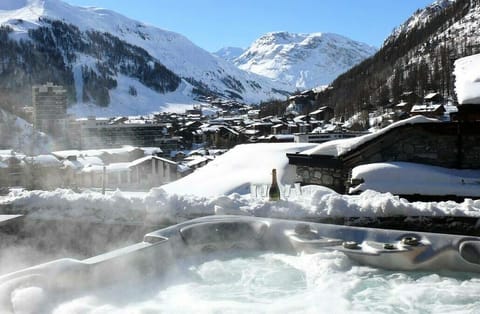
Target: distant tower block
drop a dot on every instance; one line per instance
(50, 108)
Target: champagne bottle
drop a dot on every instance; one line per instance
(274, 192)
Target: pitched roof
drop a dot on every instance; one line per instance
(337, 148)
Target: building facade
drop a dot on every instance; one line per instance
(50, 109)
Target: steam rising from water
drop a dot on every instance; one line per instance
(326, 282)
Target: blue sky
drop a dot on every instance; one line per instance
(213, 24)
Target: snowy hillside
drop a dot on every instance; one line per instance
(200, 72)
(303, 60)
(229, 53)
(420, 18)
(417, 57)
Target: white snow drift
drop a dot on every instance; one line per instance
(467, 80)
(410, 178)
(221, 187)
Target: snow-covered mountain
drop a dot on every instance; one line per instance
(303, 60)
(122, 64)
(420, 18)
(229, 53)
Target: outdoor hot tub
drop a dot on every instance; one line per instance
(238, 263)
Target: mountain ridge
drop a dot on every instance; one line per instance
(200, 72)
(419, 18)
(303, 60)
(417, 60)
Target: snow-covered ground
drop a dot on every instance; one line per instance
(146, 100)
(223, 187)
(237, 169)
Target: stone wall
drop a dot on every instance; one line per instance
(411, 145)
(471, 152)
(329, 177)
(437, 144)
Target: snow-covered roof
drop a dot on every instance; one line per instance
(431, 95)
(116, 151)
(317, 111)
(299, 119)
(237, 168)
(409, 178)
(73, 164)
(211, 128)
(339, 147)
(92, 168)
(200, 151)
(280, 136)
(262, 123)
(151, 150)
(118, 167)
(99, 152)
(90, 160)
(16, 156)
(192, 162)
(251, 132)
(176, 153)
(467, 79)
(143, 159)
(234, 132)
(66, 153)
(216, 152)
(6, 152)
(425, 108)
(328, 128)
(275, 120)
(111, 168)
(181, 168)
(44, 161)
(450, 108)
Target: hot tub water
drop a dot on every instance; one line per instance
(325, 282)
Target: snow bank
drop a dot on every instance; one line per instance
(223, 187)
(467, 82)
(339, 147)
(159, 207)
(235, 170)
(410, 178)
